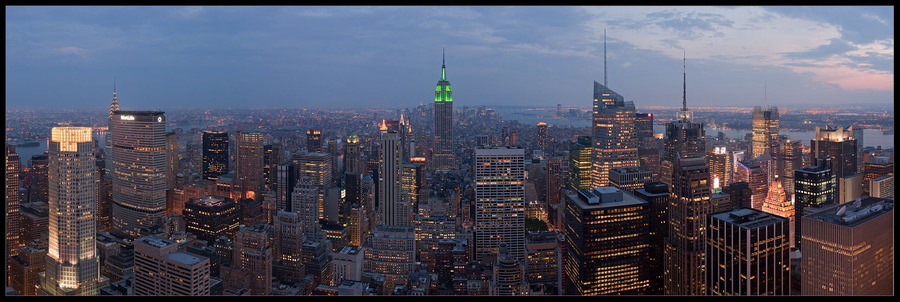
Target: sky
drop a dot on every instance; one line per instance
(164, 57)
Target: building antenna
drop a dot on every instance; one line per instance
(766, 94)
(684, 88)
(604, 58)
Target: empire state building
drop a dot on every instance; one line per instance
(443, 123)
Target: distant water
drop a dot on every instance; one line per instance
(25, 153)
(871, 137)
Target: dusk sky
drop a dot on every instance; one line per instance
(390, 56)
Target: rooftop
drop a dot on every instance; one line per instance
(854, 213)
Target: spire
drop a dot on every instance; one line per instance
(115, 102)
(443, 64)
(766, 94)
(684, 83)
(604, 58)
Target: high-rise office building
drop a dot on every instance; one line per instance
(777, 203)
(683, 138)
(882, 186)
(555, 179)
(765, 130)
(347, 264)
(160, 269)
(614, 137)
(878, 167)
(248, 160)
(443, 156)
(840, 144)
(273, 155)
(391, 250)
(747, 254)
(171, 159)
(756, 175)
(791, 159)
(545, 261)
(499, 201)
(211, 217)
(657, 195)
(13, 168)
(253, 254)
(685, 254)
(72, 265)
(719, 175)
(814, 189)
(305, 203)
(25, 267)
(215, 154)
(39, 187)
(316, 166)
(607, 235)
(288, 248)
(314, 140)
(352, 157)
(629, 179)
(849, 249)
(580, 164)
(286, 179)
(849, 187)
(543, 137)
(390, 180)
(508, 277)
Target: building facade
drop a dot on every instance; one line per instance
(499, 201)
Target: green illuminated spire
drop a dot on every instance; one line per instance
(443, 64)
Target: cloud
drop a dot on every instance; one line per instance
(875, 18)
(746, 36)
(73, 50)
(188, 12)
(883, 48)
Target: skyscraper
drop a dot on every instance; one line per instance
(682, 138)
(352, 157)
(314, 140)
(508, 278)
(543, 137)
(814, 189)
(778, 204)
(849, 249)
(614, 136)
(765, 130)
(685, 254)
(499, 201)
(273, 155)
(288, 248)
(747, 254)
(39, 187)
(248, 161)
(13, 168)
(211, 217)
(882, 186)
(138, 168)
(839, 144)
(580, 164)
(391, 250)
(315, 166)
(215, 154)
(443, 157)
(876, 168)
(160, 269)
(390, 180)
(72, 265)
(791, 160)
(171, 159)
(607, 242)
(657, 195)
(253, 254)
(718, 163)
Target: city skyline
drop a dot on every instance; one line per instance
(306, 57)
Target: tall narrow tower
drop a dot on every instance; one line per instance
(614, 135)
(443, 122)
(72, 265)
(138, 169)
(682, 137)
